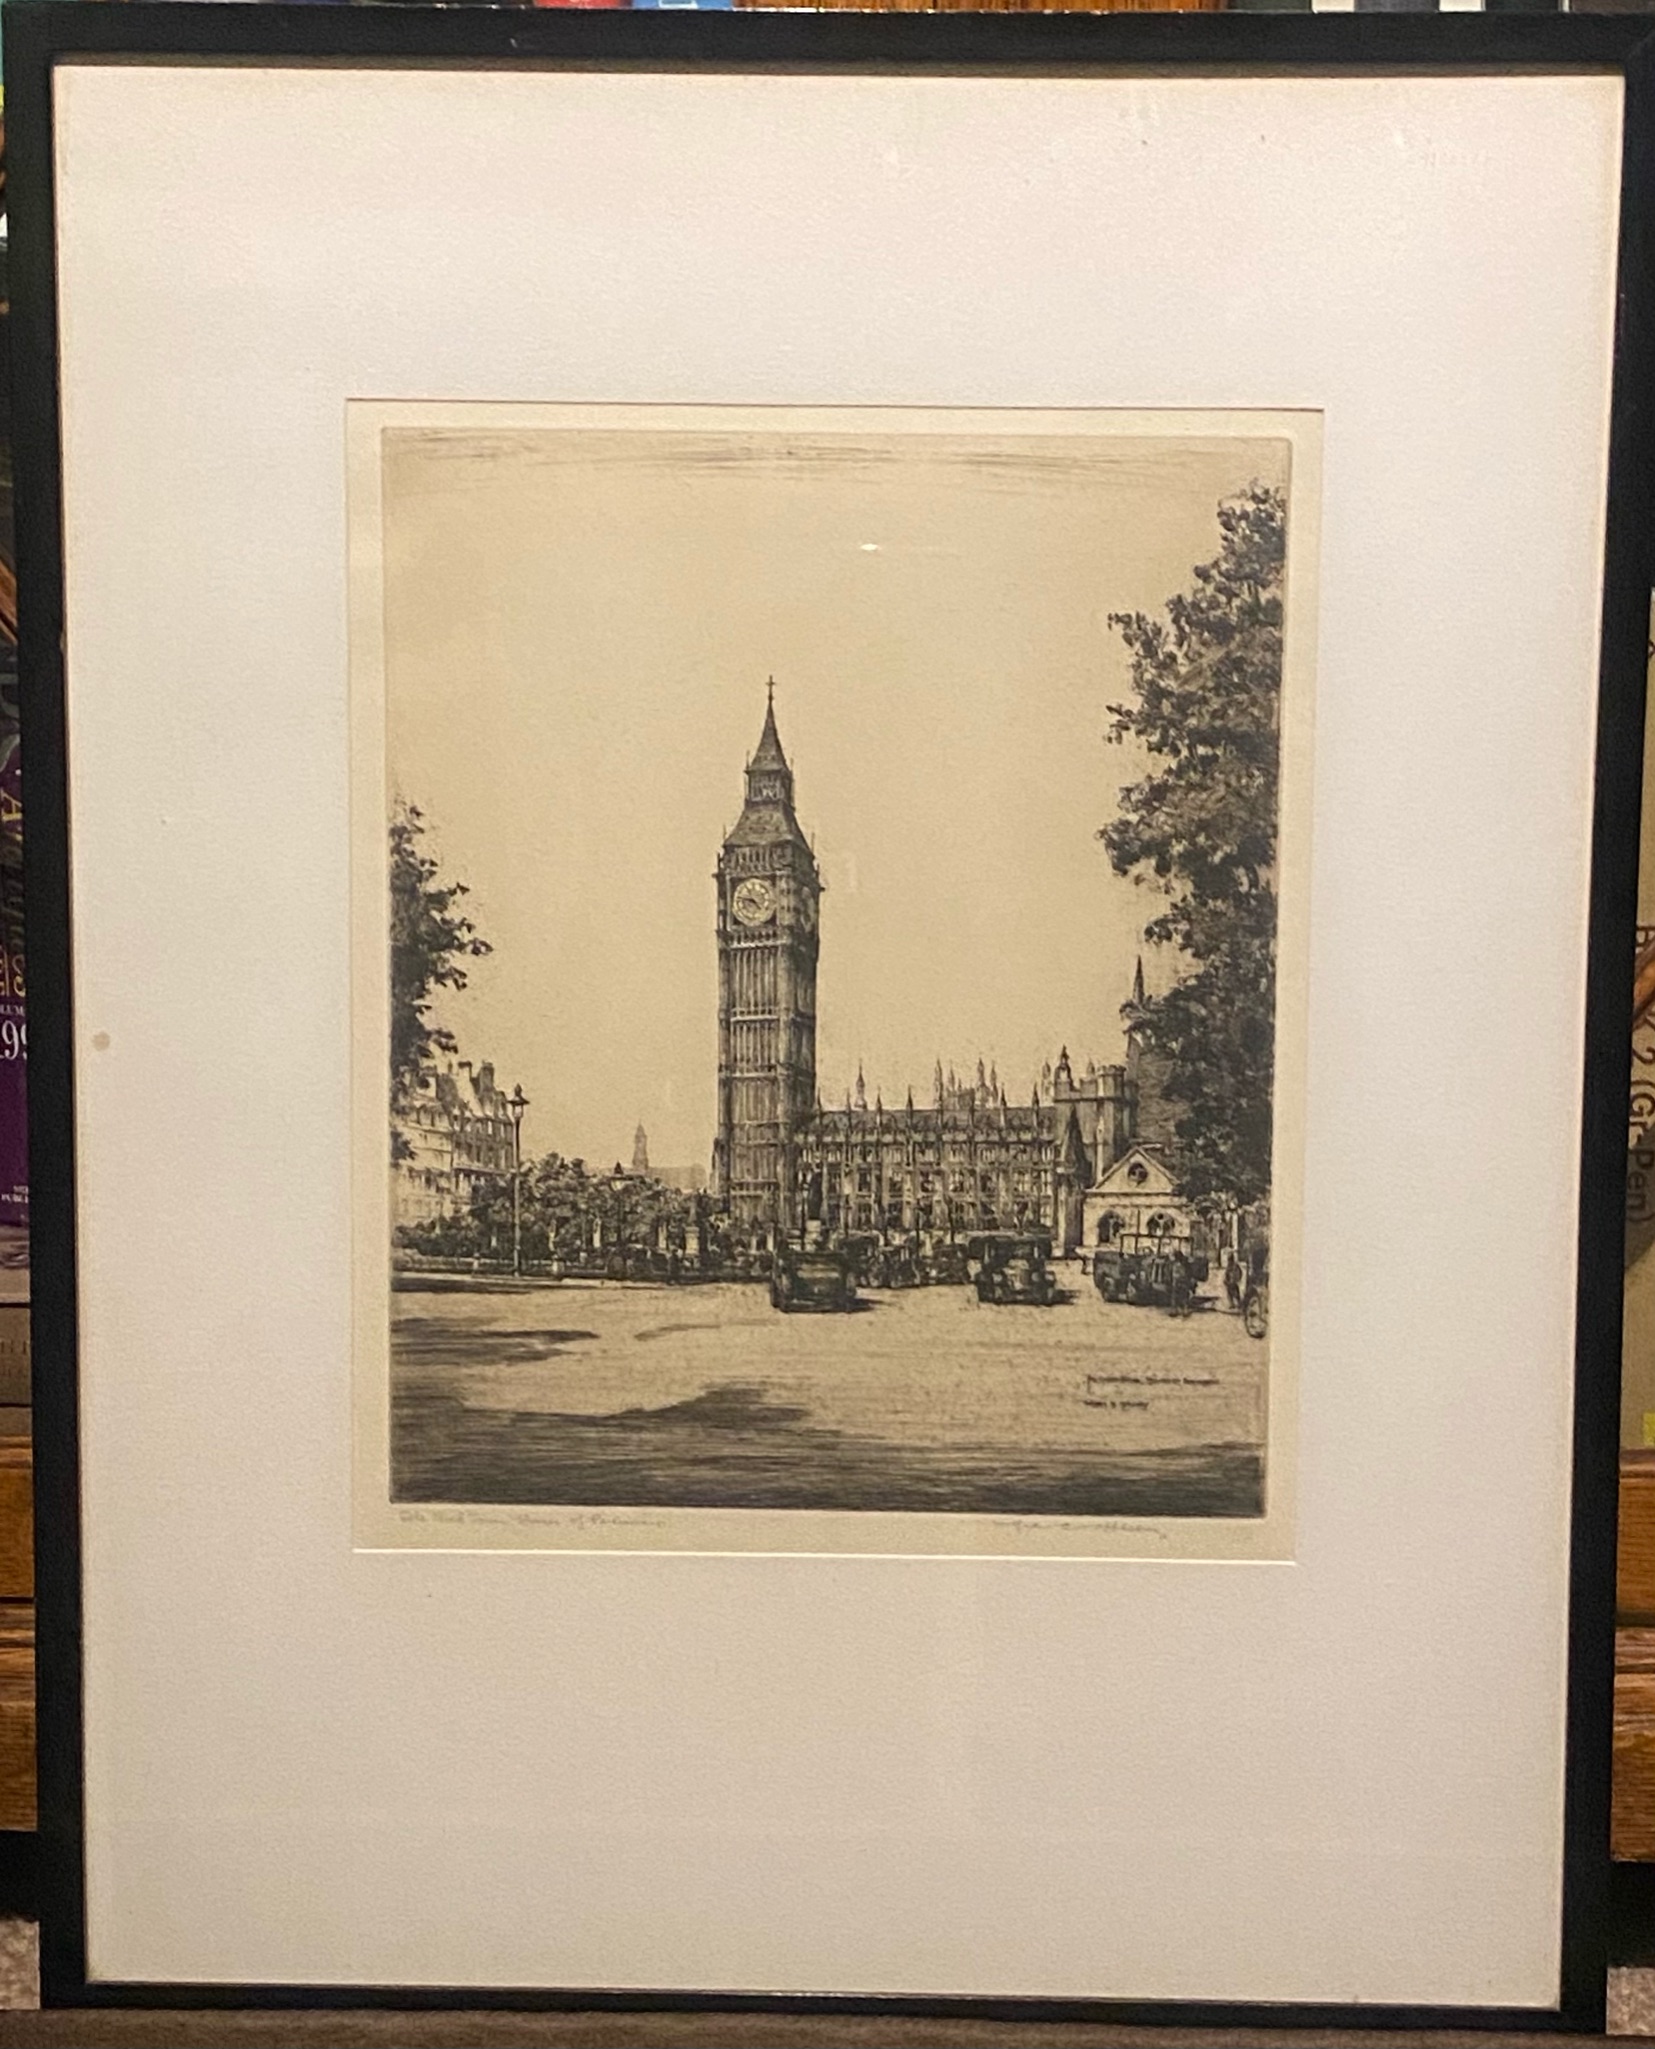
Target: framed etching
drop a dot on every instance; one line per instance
(831, 898)
(869, 1405)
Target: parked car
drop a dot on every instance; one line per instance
(817, 1278)
(984, 1247)
(861, 1251)
(945, 1265)
(894, 1266)
(1014, 1268)
(1126, 1273)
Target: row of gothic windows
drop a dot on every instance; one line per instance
(896, 1187)
(955, 1156)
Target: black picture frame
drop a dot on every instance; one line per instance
(42, 33)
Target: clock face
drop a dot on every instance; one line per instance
(754, 901)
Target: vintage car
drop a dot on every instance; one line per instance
(1013, 1267)
(894, 1266)
(982, 1248)
(1123, 1273)
(945, 1265)
(861, 1251)
(811, 1278)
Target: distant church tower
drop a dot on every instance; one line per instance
(1154, 1113)
(768, 896)
(640, 1151)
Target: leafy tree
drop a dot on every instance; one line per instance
(563, 1209)
(430, 939)
(1201, 826)
(560, 1194)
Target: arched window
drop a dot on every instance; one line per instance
(1160, 1225)
(1109, 1227)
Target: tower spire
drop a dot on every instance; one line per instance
(768, 753)
(769, 775)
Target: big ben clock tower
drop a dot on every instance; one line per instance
(768, 897)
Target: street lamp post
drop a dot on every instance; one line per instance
(517, 1103)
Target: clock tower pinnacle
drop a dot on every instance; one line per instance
(769, 892)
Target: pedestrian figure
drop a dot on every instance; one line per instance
(1232, 1281)
(1178, 1287)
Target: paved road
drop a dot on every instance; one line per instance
(924, 1398)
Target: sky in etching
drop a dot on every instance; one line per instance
(579, 625)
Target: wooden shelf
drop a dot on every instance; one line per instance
(1632, 1814)
(17, 1725)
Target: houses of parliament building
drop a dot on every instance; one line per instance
(969, 1160)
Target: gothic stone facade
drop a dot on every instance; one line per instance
(457, 1131)
(1138, 1206)
(971, 1160)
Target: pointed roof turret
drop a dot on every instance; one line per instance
(1135, 1011)
(767, 813)
(861, 1088)
(768, 753)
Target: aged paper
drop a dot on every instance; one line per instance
(830, 909)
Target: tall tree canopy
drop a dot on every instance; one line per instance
(430, 939)
(1201, 826)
